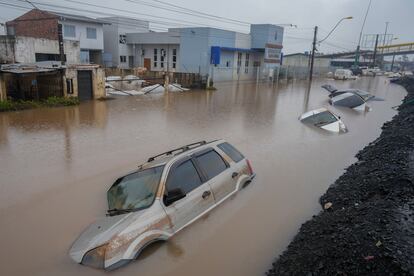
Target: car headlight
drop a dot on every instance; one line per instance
(95, 257)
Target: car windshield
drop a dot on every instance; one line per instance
(135, 191)
(350, 100)
(320, 119)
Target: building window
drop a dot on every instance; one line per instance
(69, 30)
(122, 39)
(69, 86)
(155, 57)
(91, 33)
(174, 58)
(246, 64)
(227, 63)
(239, 61)
(39, 57)
(85, 56)
(162, 58)
(123, 59)
(10, 30)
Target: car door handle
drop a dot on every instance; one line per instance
(206, 194)
(234, 175)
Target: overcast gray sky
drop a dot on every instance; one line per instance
(303, 13)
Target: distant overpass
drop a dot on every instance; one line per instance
(396, 49)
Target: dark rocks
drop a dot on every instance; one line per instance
(368, 228)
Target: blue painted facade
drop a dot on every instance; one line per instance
(223, 54)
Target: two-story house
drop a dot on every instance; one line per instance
(36, 37)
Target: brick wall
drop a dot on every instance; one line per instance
(36, 23)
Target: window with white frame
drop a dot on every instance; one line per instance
(123, 59)
(174, 58)
(91, 33)
(155, 57)
(246, 63)
(162, 58)
(69, 31)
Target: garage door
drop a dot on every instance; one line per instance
(85, 85)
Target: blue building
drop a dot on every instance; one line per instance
(224, 55)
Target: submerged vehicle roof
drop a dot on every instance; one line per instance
(348, 99)
(313, 112)
(165, 157)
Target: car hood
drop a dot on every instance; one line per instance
(99, 233)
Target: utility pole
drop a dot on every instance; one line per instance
(356, 63)
(61, 46)
(374, 57)
(167, 76)
(313, 53)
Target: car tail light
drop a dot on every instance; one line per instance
(249, 166)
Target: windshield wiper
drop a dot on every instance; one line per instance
(115, 211)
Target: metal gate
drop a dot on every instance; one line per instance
(85, 91)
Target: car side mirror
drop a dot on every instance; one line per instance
(173, 196)
(339, 117)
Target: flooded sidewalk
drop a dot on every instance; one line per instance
(57, 164)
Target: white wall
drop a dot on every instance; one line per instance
(243, 41)
(149, 53)
(86, 43)
(121, 26)
(27, 47)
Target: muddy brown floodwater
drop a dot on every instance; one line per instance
(57, 164)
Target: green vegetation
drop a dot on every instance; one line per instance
(11, 105)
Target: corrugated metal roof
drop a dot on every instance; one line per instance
(26, 69)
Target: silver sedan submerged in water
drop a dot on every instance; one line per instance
(166, 194)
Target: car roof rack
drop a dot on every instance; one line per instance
(180, 150)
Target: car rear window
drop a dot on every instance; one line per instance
(231, 151)
(211, 163)
(321, 119)
(184, 177)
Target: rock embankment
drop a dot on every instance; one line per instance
(367, 223)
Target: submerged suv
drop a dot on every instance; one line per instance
(166, 194)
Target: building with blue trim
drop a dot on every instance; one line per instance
(221, 54)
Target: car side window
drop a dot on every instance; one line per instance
(184, 177)
(211, 163)
(231, 151)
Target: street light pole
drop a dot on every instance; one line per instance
(315, 42)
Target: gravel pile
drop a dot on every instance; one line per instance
(367, 223)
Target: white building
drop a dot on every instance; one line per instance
(82, 36)
(221, 54)
(117, 52)
(89, 33)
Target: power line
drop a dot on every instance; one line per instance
(132, 25)
(27, 1)
(106, 14)
(215, 16)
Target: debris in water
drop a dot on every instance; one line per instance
(327, 205)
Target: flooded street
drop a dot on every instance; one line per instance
(57, 164)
